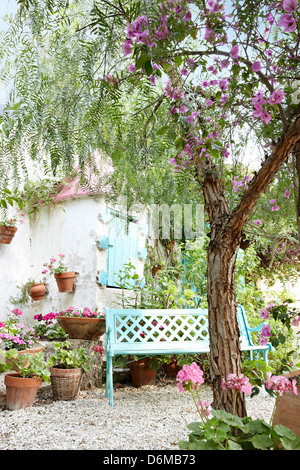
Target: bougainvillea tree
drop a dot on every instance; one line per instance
(226, 71)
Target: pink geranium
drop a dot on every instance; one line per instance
(280, 384)
(190, 377)
(237, 382)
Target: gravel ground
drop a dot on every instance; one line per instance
(148, 418)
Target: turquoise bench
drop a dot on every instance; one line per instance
(159, 332)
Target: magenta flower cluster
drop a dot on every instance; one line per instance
(281, 384)
(190, 377)
(238, 383)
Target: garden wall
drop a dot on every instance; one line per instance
(72, 227)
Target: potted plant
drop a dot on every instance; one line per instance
(8, 227)
(66, 367)
(82, 324)
(14, 335)
(22, 386)
(47, 328)
(65, 279)
(143, 371)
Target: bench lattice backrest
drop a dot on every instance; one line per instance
(142, 326)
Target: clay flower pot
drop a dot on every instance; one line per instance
(141, 374)
(20, 391)
(34, 350)
(82, 328)
(37, 291)
(287, 410)
(65, 281)
(172, 368)
(65, 383)
(7, 233)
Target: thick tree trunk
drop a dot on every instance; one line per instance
(225, 356)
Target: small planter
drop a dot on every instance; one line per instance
(172, 368)
(287, 410)
(82, 328)
(65, 383)
(33, 351)
(20, 391)
(141, 374)
(37, 291)
(7, 233)
(66, 281)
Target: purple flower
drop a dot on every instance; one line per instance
(131, 68)
(152, 79)
(223, 84)
(265, 116)
(288, 22)
(290, 5)
(287, 193)
(275, 208)
(184, 72)
(256, 67)
(258, 222)
(234, 53)
(276, 97)
(127, 47)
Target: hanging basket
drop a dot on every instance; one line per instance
(66, 281)
(7, 233)
(65, 383)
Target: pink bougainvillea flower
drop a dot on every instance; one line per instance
(258, 111)
(256, 67)
(264, 313)
(290, 5)
(127, 47)
(258, 222)
(258, 99)
(272, 201)
(184, 72)
(276, 97)
(152, 79)
(287, 193)
(288, 22)
(192, 116)
(265, 116)
(223, 84)
(183, 109)
(131, 68)
(275, 208)
(234, 53)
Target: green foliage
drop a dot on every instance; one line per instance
(227, 432)
(68, 358)
(28, 365)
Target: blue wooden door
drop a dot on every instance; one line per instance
(122, 246)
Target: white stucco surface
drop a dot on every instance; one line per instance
(71, 227)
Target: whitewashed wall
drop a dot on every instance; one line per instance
(71, 227)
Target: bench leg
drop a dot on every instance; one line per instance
(109, 381)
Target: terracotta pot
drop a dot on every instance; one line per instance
(7, 233)
(20, 392)
(65, 383)
(82, 328)
(38, 291)
(287, 410)
(172, 368)
(65, 281)
(141, 374)
(34, 350)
